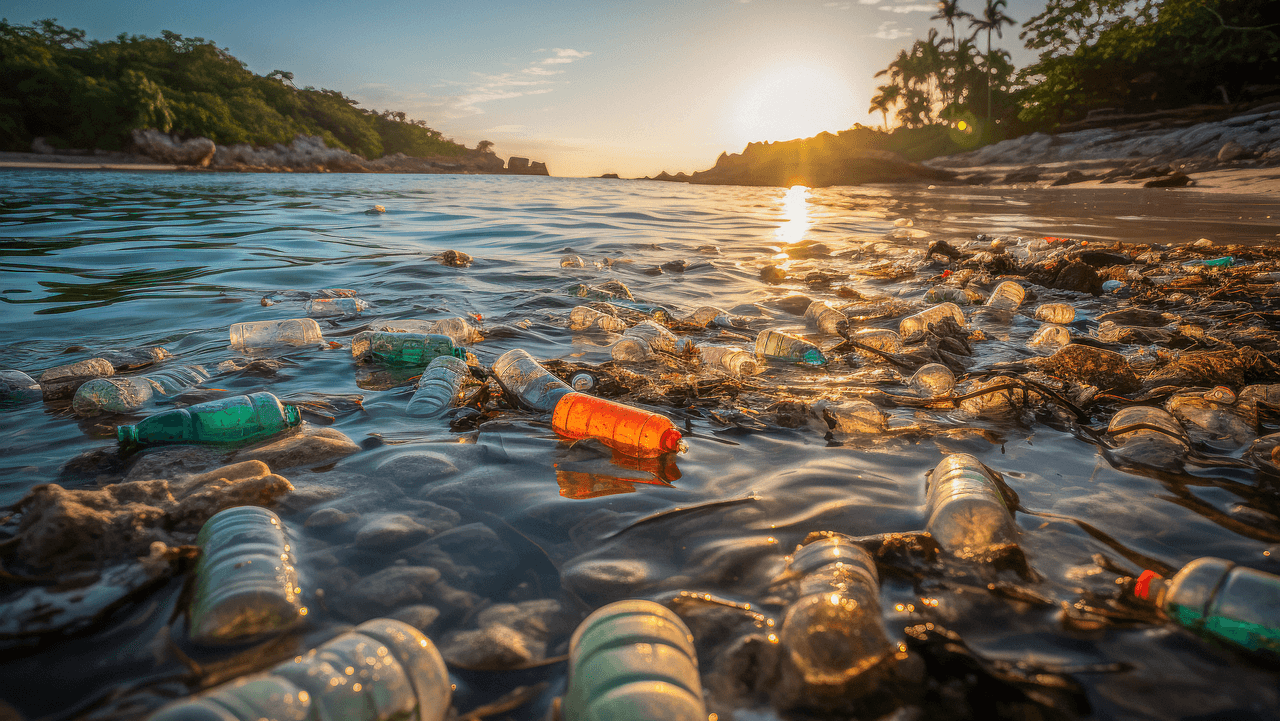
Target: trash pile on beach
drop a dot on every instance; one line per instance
(1183, 373)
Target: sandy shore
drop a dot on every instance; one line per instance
(97, 161)
(1241, 180)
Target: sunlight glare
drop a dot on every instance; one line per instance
(793, 101)
(795, 216)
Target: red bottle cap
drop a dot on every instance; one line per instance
(670, 440)
(1142, 588)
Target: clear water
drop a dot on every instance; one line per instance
(94, 261)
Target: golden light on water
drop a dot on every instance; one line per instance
(795, 216)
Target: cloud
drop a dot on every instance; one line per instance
(535, 70)
(868, 2)
(568, 53)
(909, 8)
(839, 6)
(891, 31)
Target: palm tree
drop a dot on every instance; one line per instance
(887, 98)
(949, 10)
(993, 18)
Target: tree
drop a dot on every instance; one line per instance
(885, 99)
(949, 10)
(993, 18)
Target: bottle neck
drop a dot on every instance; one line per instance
(127, 436)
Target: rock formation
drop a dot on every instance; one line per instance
(168, 149)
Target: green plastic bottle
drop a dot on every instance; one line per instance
(404, 349)
(227, 421)
(1221, 600)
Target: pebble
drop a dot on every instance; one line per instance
(312, 447)
(416, 468)
(390, 531)
(328, 518)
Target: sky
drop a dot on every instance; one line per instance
(589, 87)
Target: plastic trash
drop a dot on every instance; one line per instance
(629, 431)
(932, 380)
(246, 584)
(1111, 286)
(126, 395)
(643, 340)
(780, 346)
(583, 381)
(1223, 262)
(328, 307)
(708, 315)
(1007, 297)
(531, 385)
(1057, 313)
(967, 512)
(633, 660)
(882, 339)
(953, 294)
(63, 381)
(1141, 421)
(457, 328)
(825, 319)
(267, 333)
(1220, 600)
(403, 349)
(833, 635)
(383, 670)
(922, 320)
(438, 388)
(729, 359)
(585, 318)
(1050, 336)
(608, 291)
(227, 421)
(17, 388)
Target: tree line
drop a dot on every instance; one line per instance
(79, 93)
(1122, 55)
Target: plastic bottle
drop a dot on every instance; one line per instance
(932, 380)
(126, 395)
(833, 634)
(780, 346)
(457, 328)
(585, 318)
(1112, 286)
(953, 294)
(643, 340)
(882, 339)
(826, 319)
(922, 320)
(266, 333)
(1223, 262)
(17, 387)
(227, 421)
(1007, 297)
(608, 291)
(1221, 600)
(583, 381)
(404, 349)
(326, 307)
(729, 359)
(967, 512)
(383, 670)
(710, 315)
(1050, 336)
(1136, 421)
(246, 584)
(1057, 313)
(633, 660)
(438, 387)
(528, 382)
(630, 431)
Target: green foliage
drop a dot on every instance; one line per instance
(91, 94)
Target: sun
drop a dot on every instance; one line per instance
(792, 101)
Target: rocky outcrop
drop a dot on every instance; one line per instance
(524, 166)
(166, 148)
(309, 153)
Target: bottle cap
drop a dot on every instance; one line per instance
(1142, 587)
(671, 441)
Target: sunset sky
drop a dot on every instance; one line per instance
(589, 87)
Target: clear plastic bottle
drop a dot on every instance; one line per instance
(267, 333)
(729, 359)
(403, 349)
(438, 388)
(967, 512)
(17, 388)
(633, 660)
(246, 583)
(457, 328)
(825, 319)
(780, 346)
(608, 291)
(932, 380)
(1050, 337)
(329, 307)
(586, 318)
(629, 431)
(126, 395)
(383, 670)
(1218, 599)
(528, 382)
(833, 635)
(1057, 313)
(1137, 421)
(882, 339)
(922, 320)
(643, 340)
(953, 294)
(227, 421)
(583, 381)
(1006, 297)
(708, 315)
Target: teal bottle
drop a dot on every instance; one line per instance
(779, 346)
(224, 422)
(404, 349)
(633, 660)
(1218, 599)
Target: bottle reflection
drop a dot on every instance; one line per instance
(583, 484)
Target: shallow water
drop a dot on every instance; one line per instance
(95, 261)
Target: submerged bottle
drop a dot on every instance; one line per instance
(585, 318)
(953, 294)
(17, 387)
(457, 328)
(383, 670)
(246, 584)
(438, 388)
(1007, 297)
(1221, 600)
(266, 333)
(729, 359)
(125, 395)
(710, 315)
(932, 380)
(833, 634)
(780, 346)
(531, 385)
(643, 340)
(633, 660)
(825, 319)
(1050, 337)
(327, 307)
(1057, 313)
(922, 320)
(608, 291)
(404, 349)
(630, 431)
(967, 513)
(882, 339)
(227, 421)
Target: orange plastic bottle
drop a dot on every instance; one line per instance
(628, 430)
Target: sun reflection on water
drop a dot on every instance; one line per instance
(795, 214)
